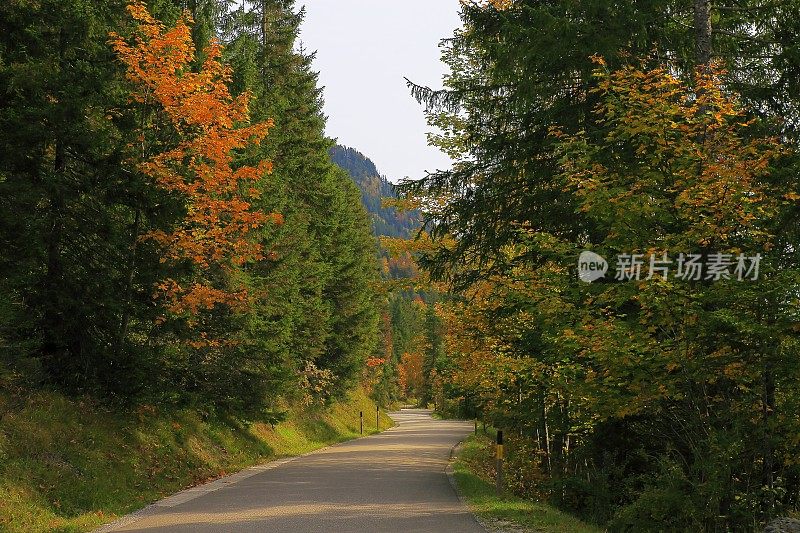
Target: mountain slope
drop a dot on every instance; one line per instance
(386, 221)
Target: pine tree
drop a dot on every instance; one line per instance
(67, 205)
(320, 278)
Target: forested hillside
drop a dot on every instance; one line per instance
(375, 188)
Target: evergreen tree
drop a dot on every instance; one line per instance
(517, 70)
(68, 208)
(324, 263)
(434, 351)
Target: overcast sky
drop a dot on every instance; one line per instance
(364, 49)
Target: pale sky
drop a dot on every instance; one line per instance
(364, 49)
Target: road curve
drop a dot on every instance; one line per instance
(392, 482)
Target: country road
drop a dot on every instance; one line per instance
(393, 482)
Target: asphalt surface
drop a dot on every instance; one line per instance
(394, 481)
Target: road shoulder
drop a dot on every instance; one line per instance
(506, 513)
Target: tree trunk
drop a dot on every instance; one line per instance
(546, 432)
(54, 273)
(52, 316)
(126, 302)
(702, 26)
(265, 29)
(767, 411)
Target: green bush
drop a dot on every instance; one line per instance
(657, 509)
(591, 501)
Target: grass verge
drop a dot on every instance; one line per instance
(506, 512)
(71, 466)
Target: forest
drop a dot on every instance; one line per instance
(660, 133)
(178, 231)
(174, 230)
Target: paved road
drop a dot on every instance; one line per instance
(393, 482)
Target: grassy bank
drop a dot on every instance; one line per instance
(70, 466)
(505, 512)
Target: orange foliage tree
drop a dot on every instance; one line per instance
(211, 126)
(410, 374)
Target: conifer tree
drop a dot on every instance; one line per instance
(67, 205)
(320, 277)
